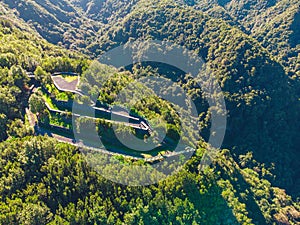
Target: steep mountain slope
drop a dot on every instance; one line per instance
(273, 23)
(280, 34)
(251, 51)
(259, 95)
(75, 23)
(7, 13)
(43, 181)
(57, 21)
(106, 11)
(253, 83)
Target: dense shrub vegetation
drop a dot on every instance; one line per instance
(44, 182)
(253, 82)
(251, 46)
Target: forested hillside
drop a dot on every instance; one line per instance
(56, 21)
(44, 182)
(250, 46)
(78, 23)
(22, 52)
(253, 82)
(273, 23)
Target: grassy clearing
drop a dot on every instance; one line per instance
(69, 78)
(62, 96)
(49, 101)
(54, 120)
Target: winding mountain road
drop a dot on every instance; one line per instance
(61, 138)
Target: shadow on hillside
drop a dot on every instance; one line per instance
(268, 126)
(211, 205)
(241, 186)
